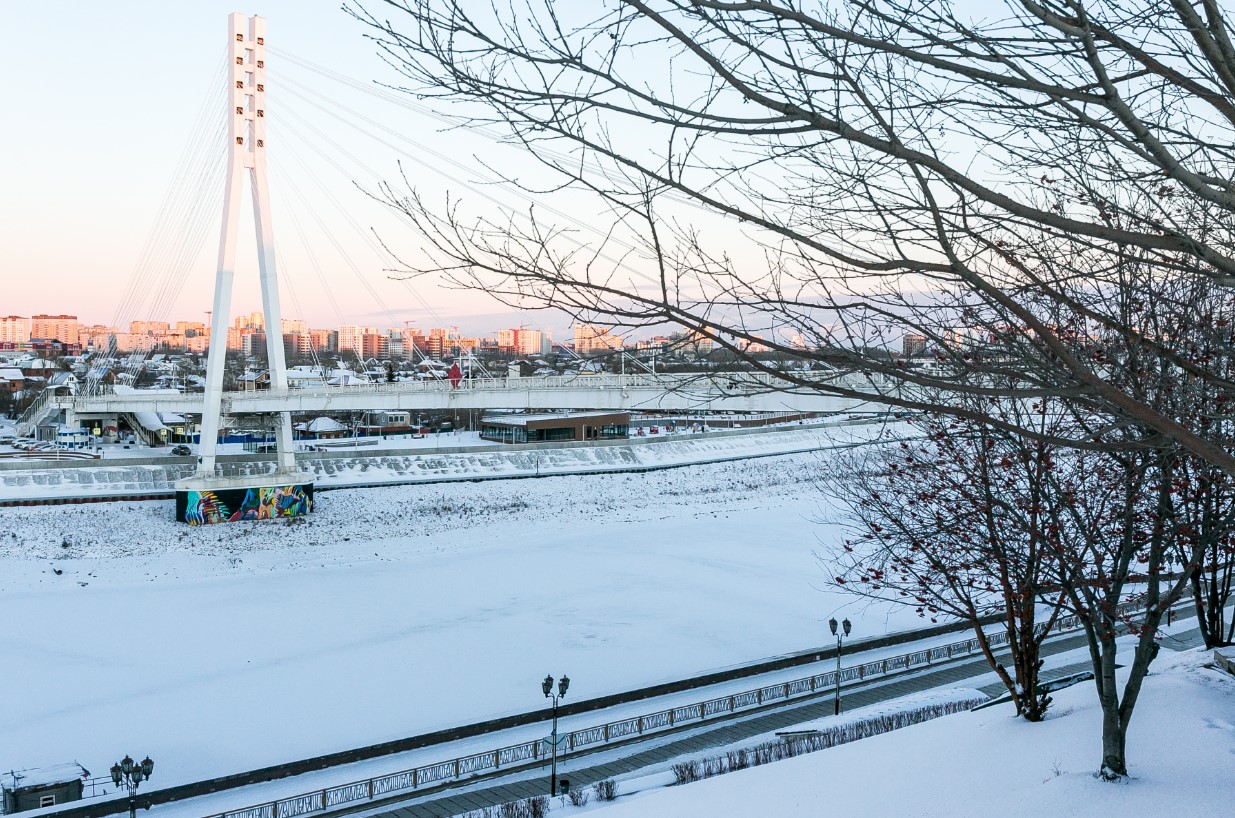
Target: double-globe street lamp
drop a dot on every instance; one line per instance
(547, 687)
(840, 637)
(131, 773)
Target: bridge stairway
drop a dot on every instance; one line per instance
(29, 420)
(143, 434)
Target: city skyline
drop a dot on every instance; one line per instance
(246, 333)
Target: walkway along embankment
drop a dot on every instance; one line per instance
(154, 478)
(453, 772)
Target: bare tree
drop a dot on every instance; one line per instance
(1204, 505)
(954, 524)
(896, 167)
(1112, 512)
(1006, 187)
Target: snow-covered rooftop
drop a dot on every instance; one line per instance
(521, 420)
(42, 776)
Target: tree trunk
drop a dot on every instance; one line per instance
(1114, 760)
(1114, 763)
(1202, 615)
(1032, 706)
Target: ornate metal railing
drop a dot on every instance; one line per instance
(531, 753)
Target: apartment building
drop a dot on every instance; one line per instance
(591, 338)
(63, 328)
(14, 330)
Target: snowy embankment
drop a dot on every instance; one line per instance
(379, 467)
(394, 611)
(984, 763)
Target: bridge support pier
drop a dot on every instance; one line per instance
(207, 497)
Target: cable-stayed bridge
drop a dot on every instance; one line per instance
(733, 392)
(258, 133)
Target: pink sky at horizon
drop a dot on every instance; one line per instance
(107, 108)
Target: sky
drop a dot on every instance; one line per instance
(102, 100)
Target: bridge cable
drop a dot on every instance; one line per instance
(167, 232)
(330, 159)
(377, 249)
(307, 94)
(340, 150)
(161, 224)
(400, 98)
(325, 230)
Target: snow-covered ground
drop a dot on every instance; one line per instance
(984, 763)
(396, 610)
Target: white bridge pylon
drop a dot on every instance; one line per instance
(246, 148)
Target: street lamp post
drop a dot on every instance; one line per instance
(547, 687)
(131, 773)
(837, 632)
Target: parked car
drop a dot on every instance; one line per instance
(181, 450)
(7, 440)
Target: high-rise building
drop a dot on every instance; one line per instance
(190, 329)
(374, 344)
(97, 336)
(324, 340)
(957, 337)
(149, 327)
(295, 326)
(351, 339)
(592, 338)
(913, 345)
(693, 344)
(63, 328)
(753, 345)
(437, 342)
(14, 329)
(297, 343)
(253, 343)
(394, 344)
(524, 341)
(530, 342)
(252, 321)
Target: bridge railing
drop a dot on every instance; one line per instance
(533, 753)
(729, 384)
(29, 419)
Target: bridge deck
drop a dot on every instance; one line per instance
(737, 392)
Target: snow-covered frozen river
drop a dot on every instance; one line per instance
(396, 610)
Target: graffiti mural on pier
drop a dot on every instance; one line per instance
(231, 505)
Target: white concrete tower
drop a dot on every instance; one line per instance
(246, 148)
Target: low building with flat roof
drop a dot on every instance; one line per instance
(42, 787)
(555, 427)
